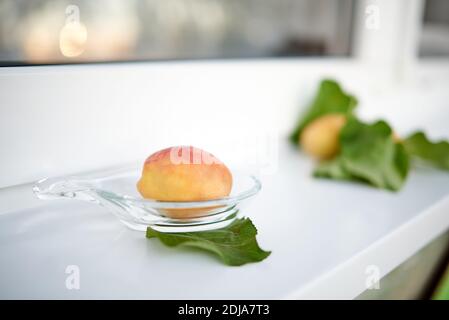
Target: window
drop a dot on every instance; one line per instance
(435, 29)
(49, 31)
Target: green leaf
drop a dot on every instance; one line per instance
(235, 244)
(330, 98)
(433, 153)
(442, 292)
(332, 169)
(369, 154)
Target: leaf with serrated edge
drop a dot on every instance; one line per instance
(433, 153)
(369, 154)
(235, 244)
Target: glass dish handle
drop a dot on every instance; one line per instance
(56, 188)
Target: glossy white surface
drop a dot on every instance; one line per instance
(315, 229)
(323, 234)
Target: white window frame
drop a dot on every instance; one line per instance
(393, 42)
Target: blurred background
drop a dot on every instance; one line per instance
(52, 31)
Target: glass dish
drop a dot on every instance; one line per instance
(116, 191)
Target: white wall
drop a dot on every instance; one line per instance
(68, 119)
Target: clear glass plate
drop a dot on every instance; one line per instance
(116, 190)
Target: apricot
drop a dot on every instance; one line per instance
(320, 138)
(184, 174)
